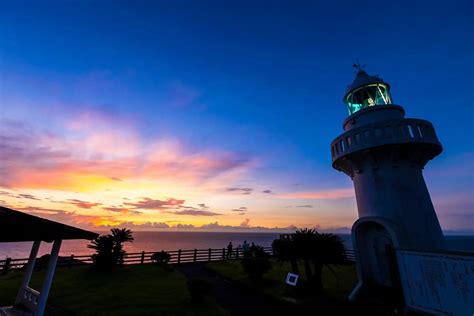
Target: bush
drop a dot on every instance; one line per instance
(161, 257)
(256, 267)
(257, 251)
(199, 288)
(42, 262)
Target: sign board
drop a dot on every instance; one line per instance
(438, 283)
(291, 279)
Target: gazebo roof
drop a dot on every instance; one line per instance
(18, 226)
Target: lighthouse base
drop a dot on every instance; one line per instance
(375, 240)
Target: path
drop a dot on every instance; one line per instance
(235, 299)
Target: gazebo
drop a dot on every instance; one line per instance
(16, 226)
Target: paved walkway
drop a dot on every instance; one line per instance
(234, 299)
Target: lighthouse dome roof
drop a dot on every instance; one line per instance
(363, 79)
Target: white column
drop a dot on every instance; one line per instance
(48, 278)
(29, 270)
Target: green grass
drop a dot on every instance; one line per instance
(338, 285)
(131, 290)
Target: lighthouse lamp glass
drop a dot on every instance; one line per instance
(369, 95)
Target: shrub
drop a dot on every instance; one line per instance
(256, 267)
(42, 262)
(161, 257)
(199, 288)
(257, 251)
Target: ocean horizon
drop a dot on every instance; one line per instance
(156, 241)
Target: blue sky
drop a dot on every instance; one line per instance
(259, 82)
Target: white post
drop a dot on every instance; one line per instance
(29, 270)
(48, 278)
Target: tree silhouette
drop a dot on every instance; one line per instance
(303, 240)
(314, 249)
(120, 236)
(326, 249)
(283, 250)
(109, 248)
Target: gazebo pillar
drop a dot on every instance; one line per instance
(48, 279)
(29, 271)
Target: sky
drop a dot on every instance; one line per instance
(218, 115)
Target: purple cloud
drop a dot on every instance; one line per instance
(150, 204)
(244, 191)
(194, 213)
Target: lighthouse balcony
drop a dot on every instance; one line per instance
(399, 131)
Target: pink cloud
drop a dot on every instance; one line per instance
(36, 159)
(82, 204)
(151, 204)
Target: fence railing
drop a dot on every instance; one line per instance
(177, 257)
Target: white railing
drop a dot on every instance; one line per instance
(29, 298)
(382, 133)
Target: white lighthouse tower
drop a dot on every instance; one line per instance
(384, 153)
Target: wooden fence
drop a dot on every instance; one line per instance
(177, 257)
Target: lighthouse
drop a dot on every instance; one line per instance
(384, 154)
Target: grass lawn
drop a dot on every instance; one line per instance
(338, 285)
(131, 290)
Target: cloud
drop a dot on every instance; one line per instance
(194, 213)
(320, 195)
(6, 193)
(41, 210)
(240, 209)
(203, 205)
(267, 191)
(122, 210)
(215, 226)
(245, 223)
(184, 226)
(150, 204)
(86, 155)
(140, 226)
(82, 204)
(28, 196)
(304, 206)
(244, 191)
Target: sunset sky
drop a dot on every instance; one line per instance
(219, 115)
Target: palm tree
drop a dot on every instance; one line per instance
(104, 257)
(302, 240)
(318, 249)
(326, 249)
(109, 248)
(283, 249)
(122, 235)
(119, 236)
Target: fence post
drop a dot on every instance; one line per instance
(209, 254)
(71, 261)
(195, 254)
(179, 256)
(223, 253)
(6, 265)
(143, 257)
(237, 253)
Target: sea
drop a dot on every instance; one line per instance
(156, 241)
